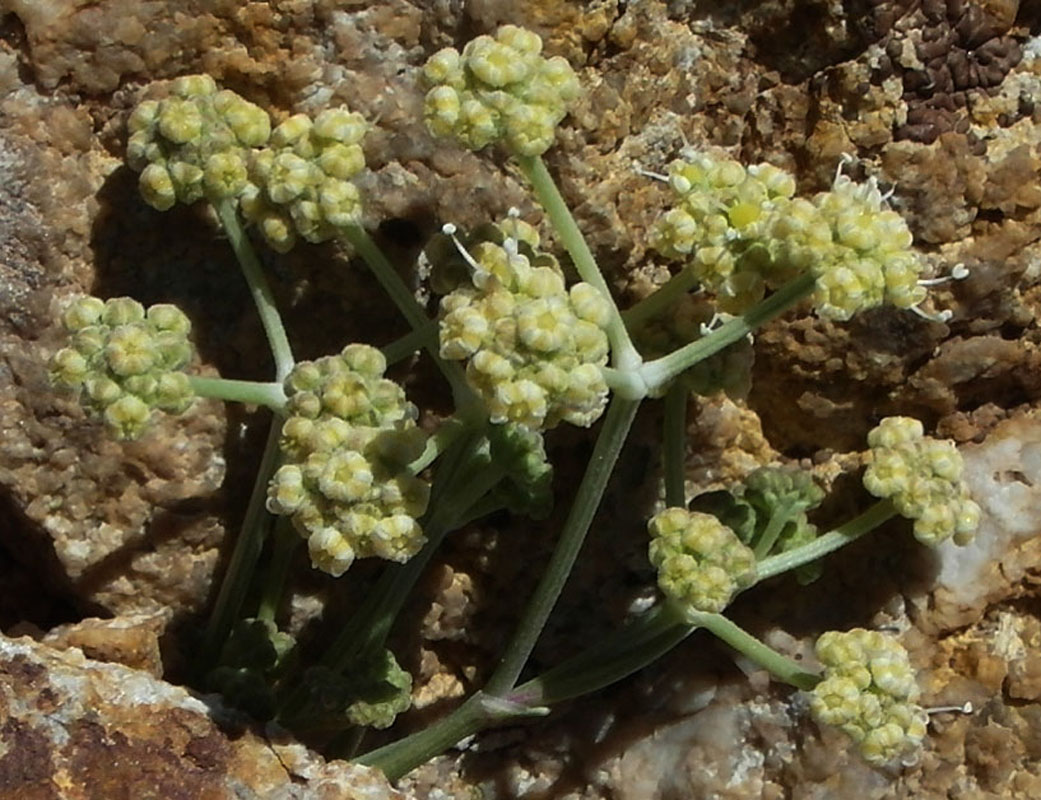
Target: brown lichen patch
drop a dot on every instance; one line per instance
(26, 763)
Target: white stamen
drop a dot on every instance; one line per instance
(844, 159)
(940, 316)
(965, 708)
(648, 174)
(448, 229)
(959, 272)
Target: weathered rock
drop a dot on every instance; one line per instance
(75, 729)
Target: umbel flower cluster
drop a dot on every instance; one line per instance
(701, 562)
(293, 181)
(533, 347)
(499, 89)
(869, 692)
(922, 477)
(194, 143)
(347, 442)
(125, 361)
(742, 231)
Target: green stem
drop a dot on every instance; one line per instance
(659, 372)
(618, 655)
(398, 758)
(781, 667)
(286, 542)
(448, 432)
(465, 400)
(609, 443)
(674, 438)
(271, 395)
(412, 341)
(880, 512)
(625, 356)
(259, 288)
(244, 557)
(654, 304)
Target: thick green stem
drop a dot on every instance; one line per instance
(271, 395)
(609, 443)
(654, 304)
(880, 512)
(399, 758)
(465, 400)
(781, 667)
(768, 538)
(624, 354)
(244, 557)
(259, 288)
(286, 541)
(674, 438)
(659, 372)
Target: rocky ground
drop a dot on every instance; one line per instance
(108, 550)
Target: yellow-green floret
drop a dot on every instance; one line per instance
(125, 361)
(869, 692)
(534, 348)
(347, 441)
(195, 143)
(300, 184)
(922, 477)
(499, 88)
(701, 562)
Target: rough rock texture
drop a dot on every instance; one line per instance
(76, 729)
(940, 100)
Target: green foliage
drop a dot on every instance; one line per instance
(370, 692)
(768, 512)
(252, 658)
(528, 487)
